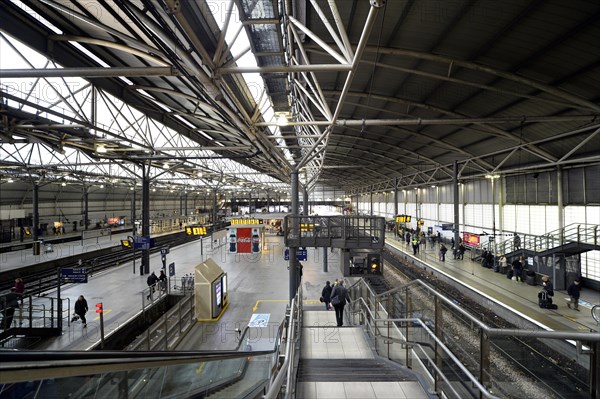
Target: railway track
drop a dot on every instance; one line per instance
(43, 277)
(539, 370)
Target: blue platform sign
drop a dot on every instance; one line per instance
(171, 269)
(142, 242)
(74, 275)
(301, 254)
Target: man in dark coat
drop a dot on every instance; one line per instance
(517, 266)
(151, 281)
(81, 308)
(9, 304)
(326, 295)
(339, 297)
(574, 292)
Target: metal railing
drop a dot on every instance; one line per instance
(573, 233)
(119, 374)
(33, 312)
(284, 384)
(447, 343)
(168, 331)
(151, 374)
(334, 231)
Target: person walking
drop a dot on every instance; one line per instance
(517, 266)
(339, 296)
(8, 304)
(574, 291)
(81, 308)
(326, 295)
(19, 286)
(162, 278)
(443, 251)
(503, 264)
(151, 281)
(517, 242)
(415, 245)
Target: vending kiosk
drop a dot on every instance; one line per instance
(245, 236)
(210, 290)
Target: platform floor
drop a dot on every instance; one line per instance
(519, 297)
(259, 284)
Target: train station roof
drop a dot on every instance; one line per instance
(353, 94)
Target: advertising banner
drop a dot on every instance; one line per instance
(471, 240)
(244, 240)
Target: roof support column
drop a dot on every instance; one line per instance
(214, 207)
(560, 204)
(395, 197)
(371, 201)
(145, 266)
(86, 208)
(292, 263)
(36, 213)
(304, 201)
(133, 215)
(456, 203)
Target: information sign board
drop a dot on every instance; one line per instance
(301, 254)
(142, 242)
(74, 275)
(403, 219)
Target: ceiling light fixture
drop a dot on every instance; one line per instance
(282, 120)
(101, 149)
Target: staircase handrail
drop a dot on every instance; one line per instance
(575, 232)
(368, 315)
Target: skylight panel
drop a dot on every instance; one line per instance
(89, 54)
(37, 16)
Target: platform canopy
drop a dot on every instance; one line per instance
(355, 94)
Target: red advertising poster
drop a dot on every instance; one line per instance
(244, 240)
(471, 240)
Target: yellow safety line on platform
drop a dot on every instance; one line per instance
(267, 300)
(311, 301)
(306, 301)
(218, 317)
(106, 311)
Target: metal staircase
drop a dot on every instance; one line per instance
(572, 239)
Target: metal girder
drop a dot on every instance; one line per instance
(558, 93)
(510, 152)
(90, 72)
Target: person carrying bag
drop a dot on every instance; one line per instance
(339, 297)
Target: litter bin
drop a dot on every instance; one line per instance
(530, 277)
(36, 247)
